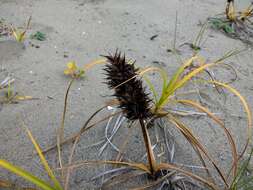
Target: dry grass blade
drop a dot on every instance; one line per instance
(229, 54)
(77, 138)
(7, 185)
(194, 141)
(81, 131)
(115, 170)
(186, 113)
(117, 179)
(116, 127)
(221, 124)
(246, 108)
(139, 166)
(43, 160)
(20, 36)
(60, 135)
(156, 182)
(197, 150)
(93, 63)
(189, 174)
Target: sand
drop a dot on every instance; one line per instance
(82, 30)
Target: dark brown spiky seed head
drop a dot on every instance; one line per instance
(131, 94)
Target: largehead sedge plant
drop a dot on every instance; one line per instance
(125, 79)
(137, 105)
(235, 24)
(133, 99)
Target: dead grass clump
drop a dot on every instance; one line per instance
(9, 95)
(235, 24)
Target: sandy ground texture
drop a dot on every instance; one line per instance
(82, 30)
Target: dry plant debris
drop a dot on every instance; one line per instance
(11, 97)
(5, 30)
(235, 24)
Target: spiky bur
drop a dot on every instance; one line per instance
(129, 89)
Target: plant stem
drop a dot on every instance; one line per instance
(60, 135)
(150, 153)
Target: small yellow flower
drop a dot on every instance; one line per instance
(73, 70)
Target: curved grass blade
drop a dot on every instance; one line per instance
(81, 131)
(60, 135)
(246, 108)
(218, 121)
(156, 182)
(93, 63)
(77, 138)
(193, 73)
(240, 180)
(44, 161)
(203, 67)
(26, 175)
(176, 76)
(152, 88)
(189, 174)
(7, 185)
(133, 165)
(194, 141)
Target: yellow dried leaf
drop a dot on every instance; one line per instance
(23, 97)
